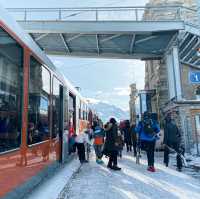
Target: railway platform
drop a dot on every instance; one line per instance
(91, 180)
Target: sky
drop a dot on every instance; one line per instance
(106, 80)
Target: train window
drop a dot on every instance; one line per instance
(72, 114)
(65, 107)
(56, 107)
(38, 110)
(86, 113)
(11, 84)
(80, 116)
(83, 111)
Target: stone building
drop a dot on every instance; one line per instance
(132, 102)
(186, 108)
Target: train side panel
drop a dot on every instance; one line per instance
(37, 117)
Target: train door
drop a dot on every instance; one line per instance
(72, 122)
(61, 122)
(65, 138)
(57, 118)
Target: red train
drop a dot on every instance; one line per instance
(39, 112)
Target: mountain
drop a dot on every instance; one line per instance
(105, 111)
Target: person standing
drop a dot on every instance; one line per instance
(80, 140)
(148, 131)
(111, 145)
(127, 136)
(134, 138)
(172, 139)
(98, 135)
(120, 141)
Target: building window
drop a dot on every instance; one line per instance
(11, 84)
(38, 111)
(56, 107)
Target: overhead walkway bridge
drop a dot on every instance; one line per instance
(127, 32)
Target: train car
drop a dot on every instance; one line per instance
(39, 112)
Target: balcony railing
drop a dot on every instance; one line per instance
(158, 13)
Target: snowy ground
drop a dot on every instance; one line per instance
(52, 187)
(133, 182)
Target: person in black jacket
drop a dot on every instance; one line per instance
(134, 137)
(172, 139)
(127, 136)
(111, 145)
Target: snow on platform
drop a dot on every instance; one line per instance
(52, 187)
(133, 182)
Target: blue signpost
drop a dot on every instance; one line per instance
(194, 77)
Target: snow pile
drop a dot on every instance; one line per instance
(193, 158)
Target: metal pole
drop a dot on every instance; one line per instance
(25, 15)
(59, 15)
(136, 14)
(96, 12)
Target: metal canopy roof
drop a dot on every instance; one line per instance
(136, 40)
(104, 32)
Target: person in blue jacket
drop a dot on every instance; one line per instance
(148, 132)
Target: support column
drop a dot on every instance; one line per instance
(177, 72)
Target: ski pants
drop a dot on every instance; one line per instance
(178, 156)
(81, 151)
(135, 148)
(149, 147)
(98, 150)
(113, 158)
(128, 144)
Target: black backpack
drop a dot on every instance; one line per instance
(147, 127)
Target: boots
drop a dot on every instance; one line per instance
(151, 169)
(116, 168)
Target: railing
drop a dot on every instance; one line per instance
(161, 13)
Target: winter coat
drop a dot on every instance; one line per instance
(98, 135)
(120, 141)
(127, 135)
(133, 134)
(82, 138)
(111, 138)
(171, 133)
(144, 136)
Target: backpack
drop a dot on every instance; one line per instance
(148, 129)
(98, 136)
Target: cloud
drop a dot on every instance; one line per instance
(93, 101)
(99, 92)
(107, 80)
(123, 91)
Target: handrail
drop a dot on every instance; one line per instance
(133, 13)
(94, 8)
